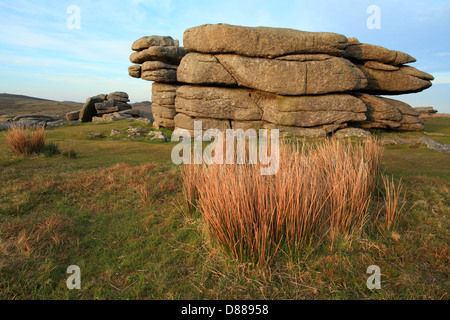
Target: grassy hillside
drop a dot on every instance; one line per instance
(17, 97)
(117, 212)
(11, 104)
(38, 107)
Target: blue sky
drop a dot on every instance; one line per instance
(40, 56)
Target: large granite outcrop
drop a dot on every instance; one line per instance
(303, 83)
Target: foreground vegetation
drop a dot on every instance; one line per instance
(117, 211)
(322, 191)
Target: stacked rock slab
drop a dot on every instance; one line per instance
(156, 59)
(303, 83)
(103, 106)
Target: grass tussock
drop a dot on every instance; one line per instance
(23, 141)
(70, 153)
(393, 201)
(321, 190)
(26, 141)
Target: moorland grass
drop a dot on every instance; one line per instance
(321, 189)
(117, 211)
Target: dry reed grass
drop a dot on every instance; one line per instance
(394, 195)
(25, 141)
(320, 189)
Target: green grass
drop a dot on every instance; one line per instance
(116, 210)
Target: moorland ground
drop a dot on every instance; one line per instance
(117, 211)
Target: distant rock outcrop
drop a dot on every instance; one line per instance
(426, 110)
(107, 107)
(303, 83)
(30, 120)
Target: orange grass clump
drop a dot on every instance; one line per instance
(320, 189)
(25, 141)
(393, 196)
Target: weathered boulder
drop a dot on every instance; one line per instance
(310, 111)
(198, 68)
(118, 96)
(310, 118)
(161, 75)
(163, 104)
(122, 105)
(153, 41)
(37, 117)
(363, 51)
(114, 116)
(411, 123)
(144, 120)
(134, 71)
(164, 94)
(385, 113)
(261, 41)
(245, 125)
(285, 77)
(73, 115)
(131, 112)
(137, 132)
(96, 119)
(253, 105)
(159, 71)
(164, 122)
(163, 112)
(170, 54)
(216, 102)
(404, 80)
(157, 65)
(115, 132)
(5, 125)
(313, 132)
(102, 96)
(425, 110)
(101, 107)
(105, 106)
(110, 107)
(158, 135)
(431, 144)
(183, 121)
(96, 135)
(352, 132)
(88, 110)
(404, 108)
(326, 102)
(6, 117)
(29, 123)
(297, 131)
(380, 66)
(379, 109)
